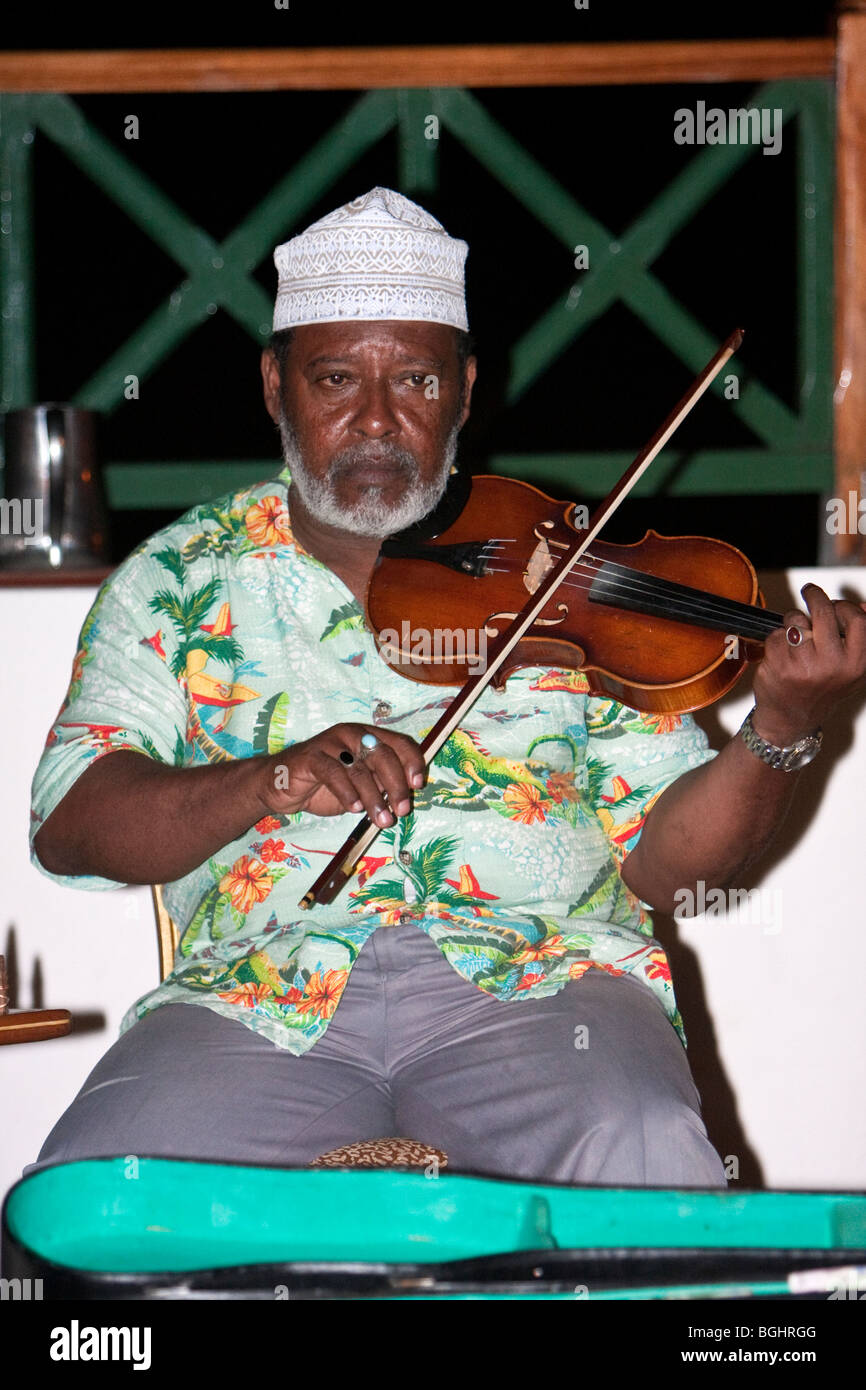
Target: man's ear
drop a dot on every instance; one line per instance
(469, 375)
(272, 384)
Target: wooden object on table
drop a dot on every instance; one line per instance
(12, 578)
(28, 1025)
(34, 1025)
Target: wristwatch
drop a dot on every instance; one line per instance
(789, 759)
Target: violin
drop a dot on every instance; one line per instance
(665, 625)
(643, 634)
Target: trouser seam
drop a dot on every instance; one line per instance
(299, 1134)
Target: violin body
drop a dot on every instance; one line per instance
(511, 580)
(438, 610)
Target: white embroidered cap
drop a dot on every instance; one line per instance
(379, 257)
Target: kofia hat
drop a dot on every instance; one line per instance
(379, 257)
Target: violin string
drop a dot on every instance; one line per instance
(621, 580)
(745, 619)
(639, 579)
(680, 600)
(730, 618)
(498, 542)
(632, 576)
(702, 600)
(757, 623)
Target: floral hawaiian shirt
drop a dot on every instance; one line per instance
(220, 638)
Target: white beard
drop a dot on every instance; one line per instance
(370, 516)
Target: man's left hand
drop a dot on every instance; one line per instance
(797, 686)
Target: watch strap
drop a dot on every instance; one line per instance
(774, 755)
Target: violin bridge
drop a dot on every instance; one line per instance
(540, 563)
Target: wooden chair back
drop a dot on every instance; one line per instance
(167, 934)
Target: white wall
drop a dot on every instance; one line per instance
(774, 1009)
(96, 951)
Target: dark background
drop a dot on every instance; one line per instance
(216, 155)
(250, 23)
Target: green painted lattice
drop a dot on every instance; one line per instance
(797, 446)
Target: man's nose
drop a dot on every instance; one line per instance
(375, 416)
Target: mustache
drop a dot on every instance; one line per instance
(373, 451)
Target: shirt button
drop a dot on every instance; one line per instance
(406, 918)
(381, 711)
(405, 857)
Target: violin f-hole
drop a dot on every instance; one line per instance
(561, 608)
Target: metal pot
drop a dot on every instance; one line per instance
(53, 512)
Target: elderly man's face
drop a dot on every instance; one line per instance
(369, 414)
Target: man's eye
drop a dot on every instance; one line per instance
(417, 378)
(335, 378)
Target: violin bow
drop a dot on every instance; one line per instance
(344, 863)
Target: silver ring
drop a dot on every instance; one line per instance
(368, 743)
(794, 635)
(346, 758)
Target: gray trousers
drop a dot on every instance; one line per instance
(413, 1050)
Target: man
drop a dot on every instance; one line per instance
(489, 984)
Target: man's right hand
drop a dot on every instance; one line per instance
(132, 819)
(311, 776)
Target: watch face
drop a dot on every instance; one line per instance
(800, 756)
